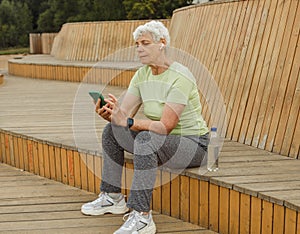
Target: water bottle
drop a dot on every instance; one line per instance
(213, 151)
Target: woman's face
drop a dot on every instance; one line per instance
(148, 50)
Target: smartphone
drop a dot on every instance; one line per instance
(96, 95)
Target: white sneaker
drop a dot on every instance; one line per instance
(105, 204)
(137, 224)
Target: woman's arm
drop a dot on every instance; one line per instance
(119, 114)
(169, 120)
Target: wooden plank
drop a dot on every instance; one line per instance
(258, 82)
(246, 67)
(83, 171)
(175, 198)
(224, 210)
(292, 27)
(275, 72)
(64, 165)
(7, 149)
(290, 221)
(21, 153)
(70, 162)
(30, 156)
(166, 193)
(245, 207)
(46, 160)
(2, 147)
(213, 207)
(15, 150)
(267, 217)
(35, 158)
(298, 224)
(184, 198)
(194, 201)
(58, 169)
(204, 208)
(267, 76)
(52, 162)
(278, 223)
(234, 211)
(90, 172)
(236, 66)
(255, 215)
(98, 173)
(77, 170)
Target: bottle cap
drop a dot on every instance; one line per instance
(213, 129)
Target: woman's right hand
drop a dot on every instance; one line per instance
(102, 112)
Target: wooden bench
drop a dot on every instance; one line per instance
(254, 189)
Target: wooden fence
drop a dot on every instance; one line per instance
(41, 43)
(94, 41)
(251, 48)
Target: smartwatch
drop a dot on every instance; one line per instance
(130, 122)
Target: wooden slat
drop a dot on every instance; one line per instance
(245, 213)
(175, 198)
(278, 223)
(267, 214)
(90, 173)
(279, 51)
(234, 212)
(255, 213)
(204, 201)
(166, 193)
(290, 221)
(224, 210)
(285, 61)
(194, 201)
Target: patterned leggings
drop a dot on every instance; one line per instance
(150, 151)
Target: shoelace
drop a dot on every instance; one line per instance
(99, 199)
(132, 219)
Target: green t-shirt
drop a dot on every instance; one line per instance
(175, 85)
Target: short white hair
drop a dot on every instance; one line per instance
(156, 28)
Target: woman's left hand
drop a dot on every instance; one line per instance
(118, 117)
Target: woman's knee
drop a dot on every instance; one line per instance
(147, 143)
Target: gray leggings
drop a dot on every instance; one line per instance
(150, 150)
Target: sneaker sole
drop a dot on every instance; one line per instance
(108, 210)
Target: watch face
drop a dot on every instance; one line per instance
(129, 122)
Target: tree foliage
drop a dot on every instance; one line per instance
(15, 23)
(18, 18)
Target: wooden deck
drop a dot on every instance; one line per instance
(33, 204)
(253, 190)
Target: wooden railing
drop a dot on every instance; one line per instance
(251, 48)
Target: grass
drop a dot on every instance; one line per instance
(14, 51)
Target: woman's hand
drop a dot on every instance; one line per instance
(113, 110)
(102, 111)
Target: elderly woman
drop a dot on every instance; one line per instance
(174, 133)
